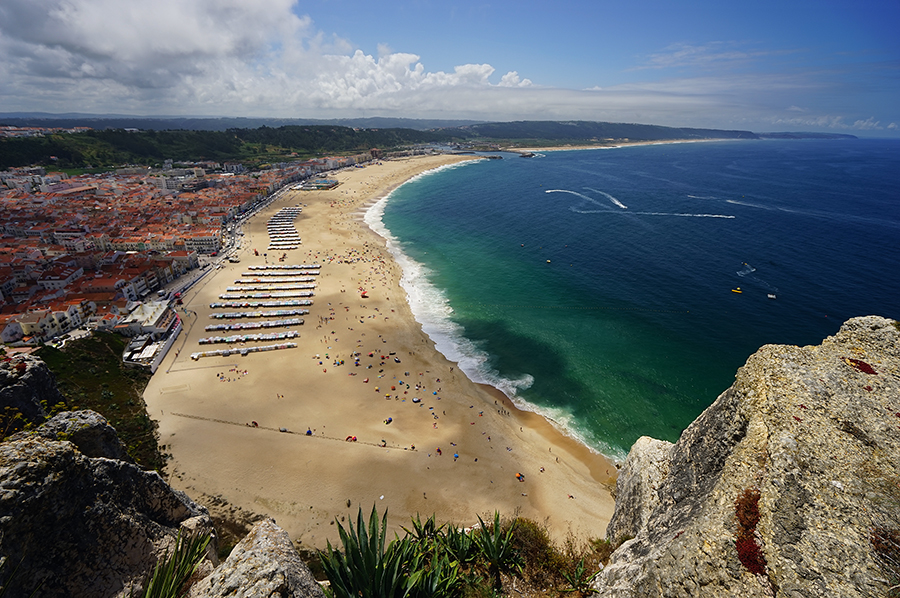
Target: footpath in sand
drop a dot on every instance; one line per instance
(454, 451)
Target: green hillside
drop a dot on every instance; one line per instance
(101, 148)
(582, 131)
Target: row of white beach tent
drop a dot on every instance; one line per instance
(242, 350)
(269, 295)
(243, 338)
(285, 267)
(299, 273)
(282, 232)
(255, 325)
(273, 286)
(250, 304)
(275, 313)
(275, 280)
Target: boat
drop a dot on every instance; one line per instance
(771, 295)
(737, 290)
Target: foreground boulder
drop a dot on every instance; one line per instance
(78, 526)
(27, 387)
(87, 430)
(264, 564)
(787, 485)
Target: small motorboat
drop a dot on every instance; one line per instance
(737, 290)
(771, 295)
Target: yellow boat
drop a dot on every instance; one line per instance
(737, 290)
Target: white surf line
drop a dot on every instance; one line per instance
(609, 197)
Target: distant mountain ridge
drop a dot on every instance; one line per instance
(592, 131)
(543, 130)
(115, 141)
(162, 123)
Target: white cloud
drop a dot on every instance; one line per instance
(205, 57)
(716, 54)
(870, 124)
(512, 79)
(832, 122)
(237, 58)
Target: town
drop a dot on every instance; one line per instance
(114, 251)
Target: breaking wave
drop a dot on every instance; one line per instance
(431, 308)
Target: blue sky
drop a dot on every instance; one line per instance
(762, 66)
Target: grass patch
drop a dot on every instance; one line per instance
(90, 375)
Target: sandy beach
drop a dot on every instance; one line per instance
(427, 439)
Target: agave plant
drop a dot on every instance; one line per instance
(426, 533)
(459, 545)
(172, 572)
(440, 579)
(579, 580)
(365, 568)
(496, 548)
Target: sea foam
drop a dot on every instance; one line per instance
(432, 310)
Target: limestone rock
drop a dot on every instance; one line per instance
(263, 565)
(636, 496)
(25, 381)
(816, 432)
(87, 430)
(83, 526)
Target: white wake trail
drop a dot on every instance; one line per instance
(584, 197)
(609, 197)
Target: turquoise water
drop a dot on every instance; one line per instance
(595, 286)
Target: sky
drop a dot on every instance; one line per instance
(760, 66)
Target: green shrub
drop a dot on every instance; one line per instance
(542, 561)
(579, 578)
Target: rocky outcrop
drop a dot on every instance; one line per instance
(87, 430)
(788, 485)
(264, 564)
(84, 526)
(79, 519)
(26, 382)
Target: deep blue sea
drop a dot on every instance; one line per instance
(596, 286)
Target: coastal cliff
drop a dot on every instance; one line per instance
(78, 518)
(787, 485)
(79, 525)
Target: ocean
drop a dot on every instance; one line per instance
(597, 287)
